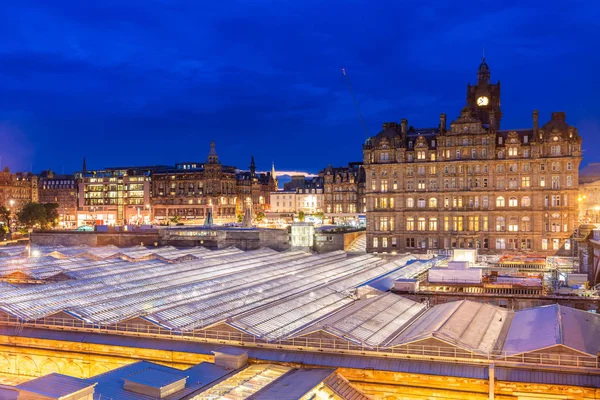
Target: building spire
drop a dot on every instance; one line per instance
(252, 167)
(274, 176)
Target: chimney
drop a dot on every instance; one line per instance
(443, 122)
(559, 116)
(404, 126)
(536, 116)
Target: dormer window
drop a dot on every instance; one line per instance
(410, 144)
(500, 140)
(525, 139)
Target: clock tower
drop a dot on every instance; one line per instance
(483, 99)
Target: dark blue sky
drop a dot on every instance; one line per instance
(153, 81)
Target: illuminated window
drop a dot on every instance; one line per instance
(525, 201)
(410, 202)
(421, 203)
(432, 202)
(421, 224)
(500, 201)
(410, 224)
(500, 224)
(513, 152)
(375, 242)
(513, 224)
(433, 224)
(420, 155)
(513, 202)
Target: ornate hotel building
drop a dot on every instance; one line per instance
(191, 189)
(344, 192)
(473, 185)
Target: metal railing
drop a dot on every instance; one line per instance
(311, 344)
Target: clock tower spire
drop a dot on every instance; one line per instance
(483, 99)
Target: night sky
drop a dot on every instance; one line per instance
(154, 81)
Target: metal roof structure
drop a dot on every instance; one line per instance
(475, 326)
(294, 384)
(55, 385)
(263, 297)
(371, 321)
(547, 326)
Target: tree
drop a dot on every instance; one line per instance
(320, 215)
(5, 215)
(301, 216)
(51, 214)
(176, 219)
(33, 214)
(239, 217)
(259, 216)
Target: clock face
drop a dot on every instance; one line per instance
(482, 101)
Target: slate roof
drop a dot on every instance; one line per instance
(55, 385)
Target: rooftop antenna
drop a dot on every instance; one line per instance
(362, 120)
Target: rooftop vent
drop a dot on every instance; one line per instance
(231, 357)
(155, 383)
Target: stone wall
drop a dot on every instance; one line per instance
(121, 239)
(35, 357)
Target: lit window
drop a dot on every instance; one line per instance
(513, 202)
(500, 201)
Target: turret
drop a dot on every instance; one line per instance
(213, 158)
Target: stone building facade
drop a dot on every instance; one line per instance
(344, 189)
(60, 189)
(473, 185)
(17, 189)
(191, 189)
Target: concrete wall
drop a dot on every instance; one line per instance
(121, 239)
(251, 239)
(327, 242)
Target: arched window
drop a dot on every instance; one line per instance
(421, 224)
(421, 203)
(526, 224)
(432, 202)
(410, 224)
(410, 202)
(513, 202)
(513, 224)
(525, 201)
(499, 201)
(500, 224)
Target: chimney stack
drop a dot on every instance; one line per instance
(443, 122)
(536, 116)
(404, 126)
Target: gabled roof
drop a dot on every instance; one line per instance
(373, 321)
(471, 325)
(541, 327)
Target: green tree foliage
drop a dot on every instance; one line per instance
(51, 213)
(4, 215)
(319, 215)
(301, 216)
(33, 214)
(259, 216)
(239, 217)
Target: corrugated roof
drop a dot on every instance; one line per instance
(156, 378)
(55, 385)
(372, 321)
(541, 327)
(467, 324)
(293, 385)
(548, 378)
